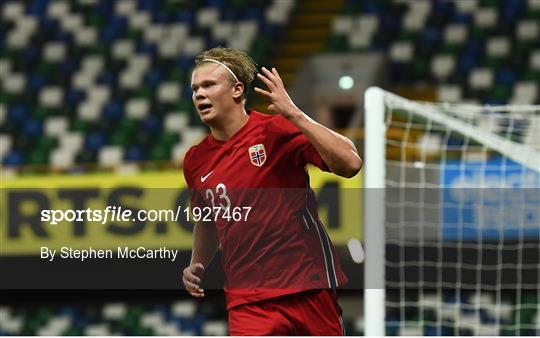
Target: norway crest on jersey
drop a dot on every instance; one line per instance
(257, 155)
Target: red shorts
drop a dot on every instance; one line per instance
(310, 313)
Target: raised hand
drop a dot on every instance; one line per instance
(280, 101)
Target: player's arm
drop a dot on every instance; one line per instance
(337, 151)
(205, 245)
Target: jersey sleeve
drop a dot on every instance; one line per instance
(195, 194)
(298, 144)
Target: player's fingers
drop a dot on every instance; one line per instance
(188, 277)
(191, 286)
(198, 266)
(276, 74)
(268, 74)
(197, 294)
(193, 279)
(266, 81)
(263, 92)
(197, 269)
(271, 77)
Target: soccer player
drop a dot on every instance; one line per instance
(280, 266)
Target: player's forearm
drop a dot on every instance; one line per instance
(337, 151)
(205, 243)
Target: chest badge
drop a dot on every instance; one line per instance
(257, 155)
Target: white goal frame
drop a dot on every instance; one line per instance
(374, 181)
(374, 212)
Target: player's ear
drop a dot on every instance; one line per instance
(238, 90)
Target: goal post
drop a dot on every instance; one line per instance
(374, 173)
(451, 217)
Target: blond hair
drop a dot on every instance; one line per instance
(241, 64)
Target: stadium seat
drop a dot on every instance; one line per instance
(135, 154)
(109, 157)
(442, 66)
(481, 78)
(401, 52)
(137, 108)
(97, 330)
(525, 92)
(528, 30)
(13, 158)
(56, 125)
(5, 145)
(214, 328)
(56, 326)
(184, 309)
(62, 159)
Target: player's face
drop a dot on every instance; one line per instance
(212, 92)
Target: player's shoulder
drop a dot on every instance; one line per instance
(191, 163)
(189, 155)
(188, 164)
(194, 153)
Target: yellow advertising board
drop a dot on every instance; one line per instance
(24, 199)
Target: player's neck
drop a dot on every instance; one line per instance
(234, 122)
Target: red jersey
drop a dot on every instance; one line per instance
(280, 247)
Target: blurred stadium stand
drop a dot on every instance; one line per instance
(97, 84)
(101, 86)
(484, 51)
(148, 313)
(159, 313)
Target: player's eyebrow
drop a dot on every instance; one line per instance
(202, 83)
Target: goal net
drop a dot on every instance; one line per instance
(452, 218)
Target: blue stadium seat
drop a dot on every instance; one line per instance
(69, 66)
(135, 154)
(13, 159)
(108, 78)
(511, 11)
(150, 6)
(215, 3)
(186, 16)
(105, 8)
(152, 124)
(431, 36)
(37, 7)
(373, 7)
(506, 76)
(36, 82)
(144, 47)
(466, 62)
(153, 78)
(464, 18)
(94, 141)
(32, 128)
(31, 54)
(18, 113)
(444, 8)
(113, 29)
(75, 96)
(114, 110)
